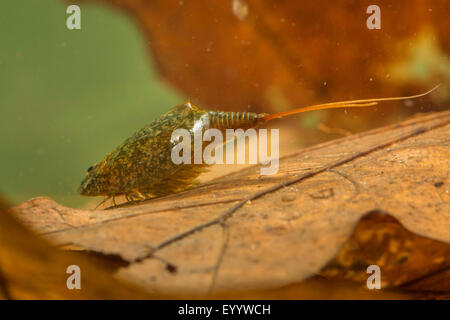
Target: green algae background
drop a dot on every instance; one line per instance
(68, 97)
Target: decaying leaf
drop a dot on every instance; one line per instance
(31, 269)
(271, 56)
(407, 260)
(246, 232)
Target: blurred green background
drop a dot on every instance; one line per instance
(68, 97)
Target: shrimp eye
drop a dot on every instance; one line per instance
(90, 168)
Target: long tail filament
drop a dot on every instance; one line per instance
(344, 104)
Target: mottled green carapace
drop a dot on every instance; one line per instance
(142, 167)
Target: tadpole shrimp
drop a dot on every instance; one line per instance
(141, 167)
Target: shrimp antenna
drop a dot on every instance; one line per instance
(344, 104)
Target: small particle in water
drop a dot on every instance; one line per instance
(388, 75)
(288, 197)
(408, 103)
(325, 83)
(240, 9)
(370, 79)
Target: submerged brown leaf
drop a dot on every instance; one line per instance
(270, 56)
(245, 231)
(407, 260)
(32, 269)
